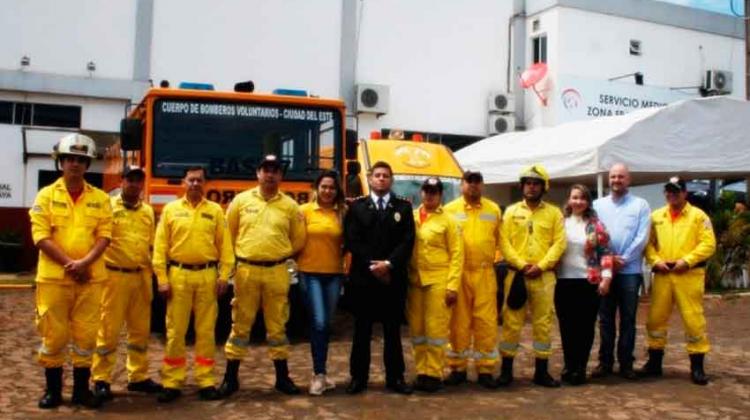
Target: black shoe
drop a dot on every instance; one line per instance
(485, 380)
(147, 385)
(601, 371)
(627, 372)
(209, 393)
(455, 378)
(697, 375)
(428, 384)
(231, 382)
(356, 386)
(400, 387)
(82, 395)
(102, 390)
(542, 376)
(577, 377)
(652, 368)
(53, 392)
(565, 375)
(167, 395)
(506, 373)
(284, 383)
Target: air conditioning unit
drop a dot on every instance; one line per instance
(372, 99)
(501, 102)
(501, 123)
(718, 82)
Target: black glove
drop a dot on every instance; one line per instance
(517, 295)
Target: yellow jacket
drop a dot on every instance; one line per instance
(480, 225)
(438, 255)
(132, 235)
(74, 227)
(192, 235)
(265, 230)
(690, 237)
(533, 237)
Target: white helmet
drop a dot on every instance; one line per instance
(75, 144)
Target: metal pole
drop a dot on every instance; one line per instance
(747, 50)
(600, 183)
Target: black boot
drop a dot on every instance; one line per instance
(506, 372)
(456, 378)
(231, 383)
(53, 392)
(697, 374)
(103, 391)
(542, 376)
(652, 368)
(82, 395)
(283, 381)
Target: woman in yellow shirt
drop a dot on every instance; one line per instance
(321, 267)
(434, 280)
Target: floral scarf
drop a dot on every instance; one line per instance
(597, 252)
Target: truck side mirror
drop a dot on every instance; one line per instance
(131, 134)
(351, 144)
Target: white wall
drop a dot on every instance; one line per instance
(289, 44)
(672, 56)
(62, 36)
(441, 59)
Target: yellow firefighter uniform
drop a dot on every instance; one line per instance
(475, 313)
(189, 243)
(66, 309)
(531, 237)
(127, 293)
(689, 237)
(435, 267)
(265, 234)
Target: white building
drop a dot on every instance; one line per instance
(78, 64)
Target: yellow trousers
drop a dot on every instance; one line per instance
(475, 316)
(191, 291)
(65, 312)
(258, 287)
(541, 293)
(126, 299)
(687, 291)
(429, 324)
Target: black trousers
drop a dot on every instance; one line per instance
(393, 356)
(577, 304)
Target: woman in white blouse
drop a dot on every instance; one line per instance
(583, 275)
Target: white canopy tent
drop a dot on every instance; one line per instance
(696, 138)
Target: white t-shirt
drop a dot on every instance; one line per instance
(573, 262)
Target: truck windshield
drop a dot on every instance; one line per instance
(229, 139)
(409, 186)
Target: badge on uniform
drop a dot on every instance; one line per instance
(397, 217)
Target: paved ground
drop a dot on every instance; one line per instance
(727, 397)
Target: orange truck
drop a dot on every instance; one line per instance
(228, 133)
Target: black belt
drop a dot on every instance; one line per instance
(261, 263)
(701, 264)
(194, 267)
(122, 269)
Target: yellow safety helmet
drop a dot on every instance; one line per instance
(75, 144)
(535, 171)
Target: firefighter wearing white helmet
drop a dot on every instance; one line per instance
(71, 224)
(532, 240)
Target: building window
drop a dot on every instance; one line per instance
(539, 46)
(6, 112)
(42, 115)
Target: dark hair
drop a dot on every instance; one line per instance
(380, 164)
(194, 168)
(340, 197)
(589, 212)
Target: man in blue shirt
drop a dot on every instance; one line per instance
(627, 219)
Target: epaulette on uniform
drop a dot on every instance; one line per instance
(361, 197)
(400, 197)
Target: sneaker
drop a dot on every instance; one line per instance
(330, 384)
(318, 384)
